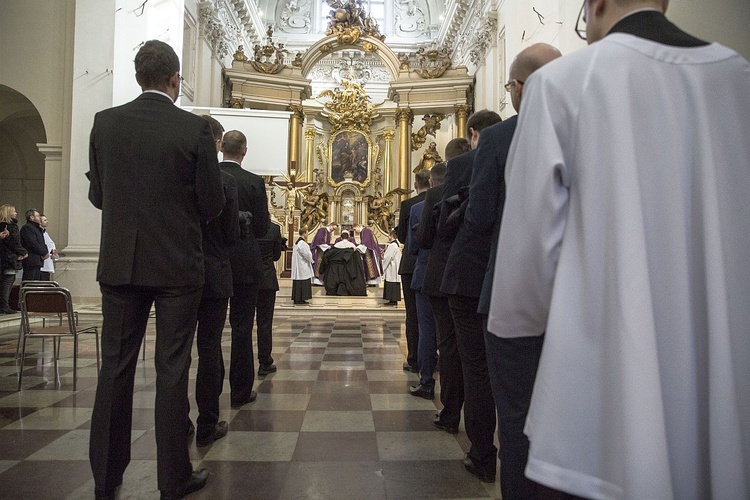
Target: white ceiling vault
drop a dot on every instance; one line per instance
(465, 27)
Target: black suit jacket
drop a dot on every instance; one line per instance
(247, 263)
(468, 258)
(155, 177)
(219, 236)
(32, 239)
(402, 231)
(270, 252)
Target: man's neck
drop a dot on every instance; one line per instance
(159, 91)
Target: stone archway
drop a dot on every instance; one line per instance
(22, 162)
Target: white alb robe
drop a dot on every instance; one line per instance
(626, 237)
(302, 261)
(48, 266)
(391, 260)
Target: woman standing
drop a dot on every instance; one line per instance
(11, 254)
(302, 269)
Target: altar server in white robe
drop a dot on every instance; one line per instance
(626, 237)
(302, 269)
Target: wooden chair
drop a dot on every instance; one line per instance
(52, 300)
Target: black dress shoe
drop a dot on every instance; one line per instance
(239, 404)
(107, 495)
(483, 475)
(450, 429)
(220, 430)
(9, 311)
(266, 369)
(422, 391)
(410, 368)
(197, 480)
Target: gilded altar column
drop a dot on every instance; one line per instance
(462, 113)
(309, 154)
(405, 118)
(295, 132)
(388, 135)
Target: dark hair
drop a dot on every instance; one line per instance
(155, 63)
(455, 147)
(344, 235)
(422, 179)
(393, 234)
(216, 128)
(234, 143)
(302, 231)
(437, 174)
(30, 213)
(482, 119)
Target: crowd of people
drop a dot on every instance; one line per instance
(579, 270)
(29, 248)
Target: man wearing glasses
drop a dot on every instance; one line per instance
(625, 238)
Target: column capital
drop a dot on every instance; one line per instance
(297, 112)
(462, 110)
(388, 135)
(405, 114)
(309, 133)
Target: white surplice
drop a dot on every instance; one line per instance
(626, 237)
(391, 260)
(302, 261)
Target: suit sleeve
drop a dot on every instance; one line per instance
(428, 222)
(261, 218)
(402, 231)
(487, 187)
(95, 182)
(277, 245)
(230, 216)
(208, 186)
(534, 217)
(414, 215)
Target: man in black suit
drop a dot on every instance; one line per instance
(511, 362)
(406, 270)
(32, 239)
(462, 282)
(219, 236)
(451, 375)
(270, 251)
(247, 267)
(147, 157)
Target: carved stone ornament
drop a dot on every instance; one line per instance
(297, 63)
(213, 30)
(431, 125)
(237, 103)
(348, 21)
(482, 39)
(403, 59)
(369, 47)
(429, 158)
(269, 58)
(296, 17)
(239, 54)
(349, 108)
(432, 63)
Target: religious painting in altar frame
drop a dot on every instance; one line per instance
(349, 153)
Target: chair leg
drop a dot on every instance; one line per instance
(75, 361)
(58, 382)
(23, 358)
(20, 334)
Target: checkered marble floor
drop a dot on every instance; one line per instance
(335, 421)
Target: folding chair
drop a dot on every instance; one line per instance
(57, 300)
(15, 303)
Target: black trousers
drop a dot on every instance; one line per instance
(479, 406)
(32, 274)
(212, 316)
(451, 373)
(512, 367)
(241, 317)
(125, 309)
(6, 285)
(412, 323)
(264, 311)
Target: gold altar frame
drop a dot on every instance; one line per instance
(352, 139)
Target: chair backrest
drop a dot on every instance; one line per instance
(46, 300)
(39, 283)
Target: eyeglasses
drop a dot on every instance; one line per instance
(509, 85)
(581, 22)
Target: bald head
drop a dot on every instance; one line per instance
(526, 62)
(234, 146)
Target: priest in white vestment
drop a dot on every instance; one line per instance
(626, 238)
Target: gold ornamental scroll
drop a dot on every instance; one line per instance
(405, 118)
(388, 136)
(295, 132)
(309, 154)
(462, 114)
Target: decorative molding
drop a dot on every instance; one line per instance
(295, 17)
(227, 24)
(484, 37)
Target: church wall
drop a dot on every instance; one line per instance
(723, 21)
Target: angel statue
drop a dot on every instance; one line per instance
(379, 207)
(314, 206)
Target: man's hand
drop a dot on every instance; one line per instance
(46, 256)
